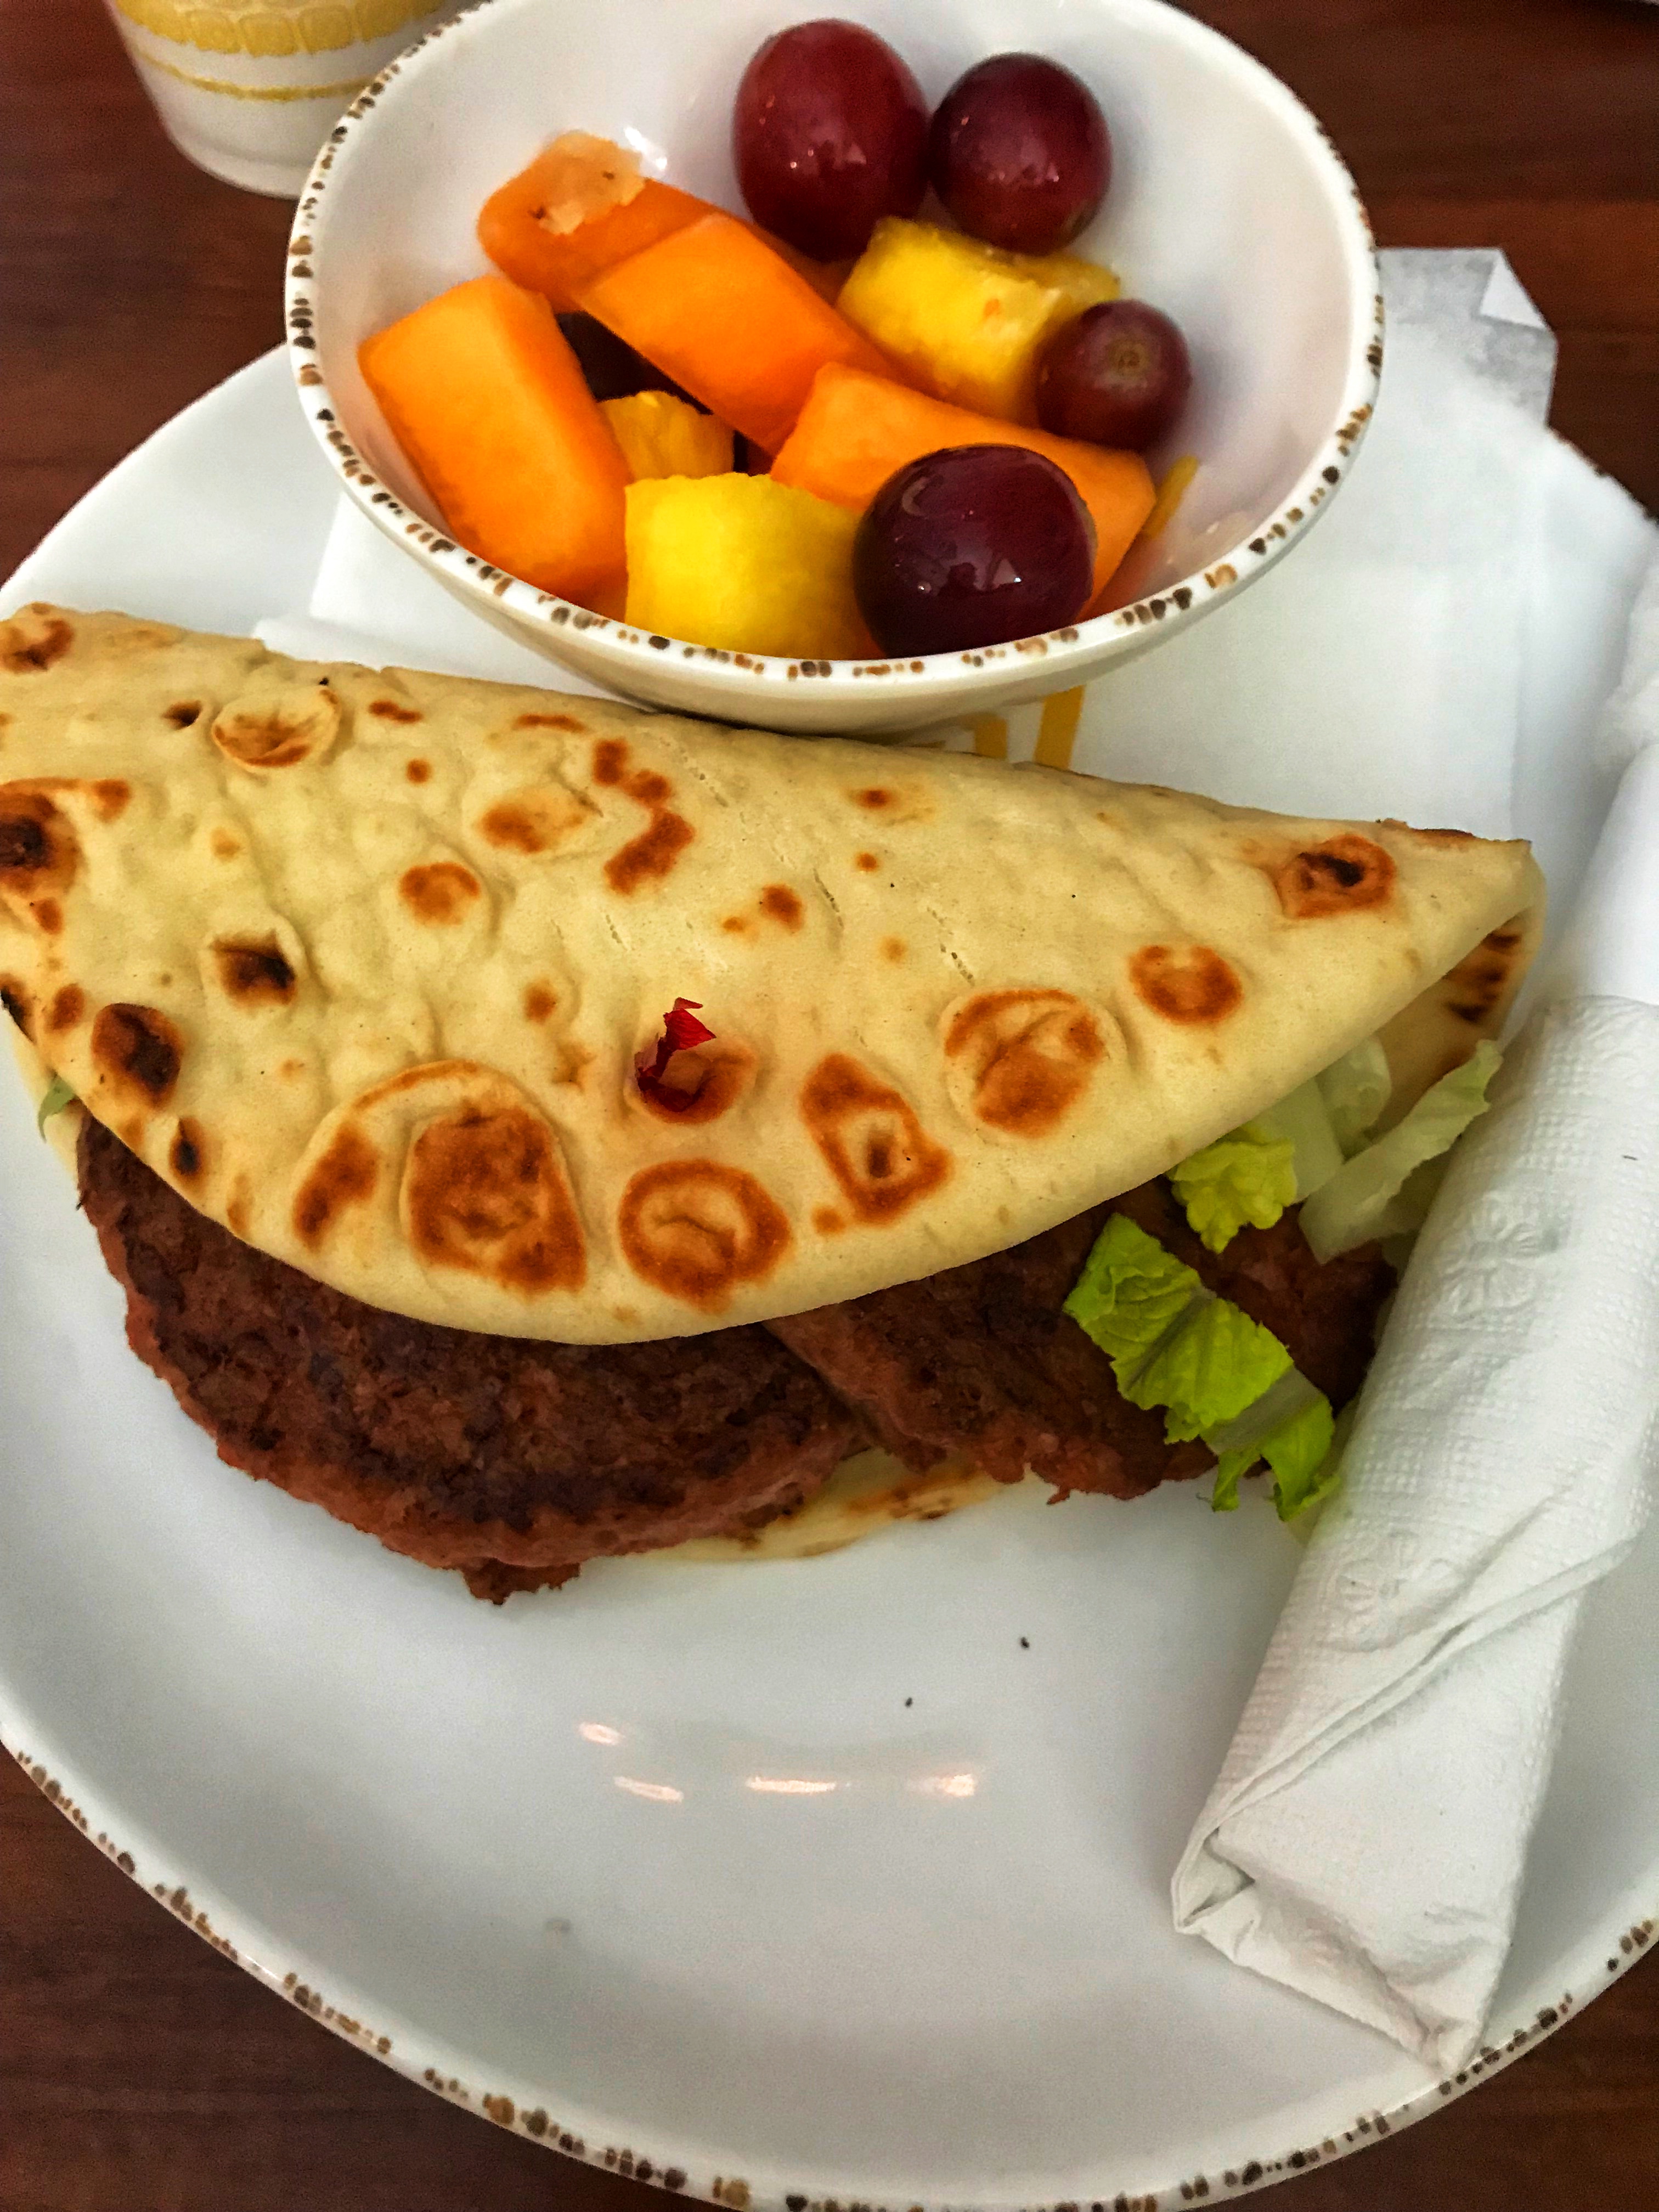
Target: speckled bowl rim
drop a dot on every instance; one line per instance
(742, 683)
(536, 2111)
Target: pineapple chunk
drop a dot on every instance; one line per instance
(966, 321)
(663, 437)
(1084, 283)
(745, 564)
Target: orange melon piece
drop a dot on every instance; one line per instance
(488, 401)
(825, 277)
(856, 429)
(715, 308)
(580, 205)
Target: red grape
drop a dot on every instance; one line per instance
(1019, 153)
(969, 547)
(1118, 375)
(829, 133)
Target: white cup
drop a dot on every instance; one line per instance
(249, 89)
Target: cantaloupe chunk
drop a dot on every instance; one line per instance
(715, 308)
(966, 321)
(856, 430)
(487, 400)
(745, 564)
(663, 437)
(825, 277)
(580, 205)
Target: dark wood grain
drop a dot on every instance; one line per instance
(139, 2071)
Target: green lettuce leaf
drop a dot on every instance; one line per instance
(1380, 1191)
(57, 1096)
(1170, 1342)
(1216, 1373)
(1299, 1454)
(1304, 1121)
(1249, 1176)
(1130, 1294)
(1208, 1370)
(1355, 1089)
(1295, 1447)
(1329, 1478)
(1289, 1395)
(1254, 1172)
(1223, 1497)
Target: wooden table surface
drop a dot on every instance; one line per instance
(139, 2071)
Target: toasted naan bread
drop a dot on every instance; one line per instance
(363, 963)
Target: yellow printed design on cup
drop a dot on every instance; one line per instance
(250, 92)
(314, 26)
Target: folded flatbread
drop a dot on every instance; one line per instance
(362, 964)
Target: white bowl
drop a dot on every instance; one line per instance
(1229, 209)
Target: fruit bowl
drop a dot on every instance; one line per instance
(1228, 208)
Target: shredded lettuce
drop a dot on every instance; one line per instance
(1216, 1373)
(59, 1094)
(1130, 1294)
(1285, 1154)
(1249, 1176)
(1171, 1342)
(1355, 1089)
(1385, 1190)
(1296, 1448)
(1329, 1478)
(1223, 1497)
(1303, 1119)
(1299, 1454)
(1206, 1371)
(1285, 1401)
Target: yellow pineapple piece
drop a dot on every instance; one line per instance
(745, 564)
(663, 437)
(966, 321)
(1084, 283)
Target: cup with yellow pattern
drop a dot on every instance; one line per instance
(250, 88)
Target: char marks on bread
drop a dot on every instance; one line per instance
(364, 962)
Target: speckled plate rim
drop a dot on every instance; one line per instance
(534, 2110)
(744, 682)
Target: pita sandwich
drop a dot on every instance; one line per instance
(366, 973)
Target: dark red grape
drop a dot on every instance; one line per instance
(829, 133)
(972, 546)
(1019, 153)
(609, 366)
(1118, 375)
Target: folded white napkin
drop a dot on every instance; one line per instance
(1366, 1840)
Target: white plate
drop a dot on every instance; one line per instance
(844, 1878)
